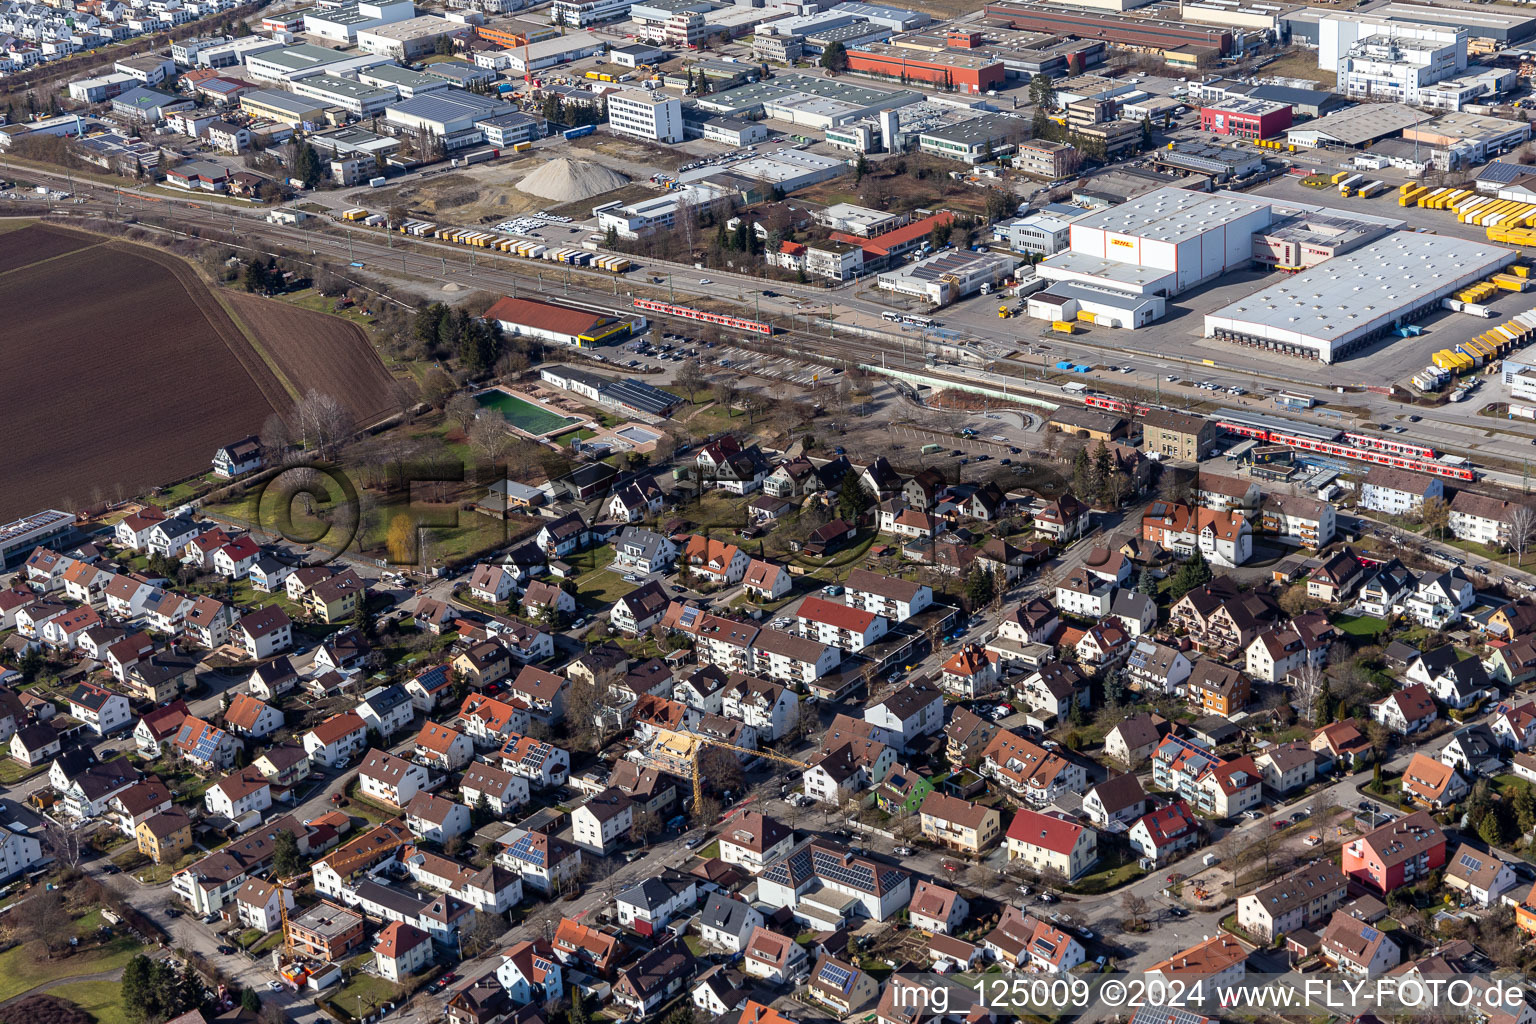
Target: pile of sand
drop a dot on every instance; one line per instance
(570, 181)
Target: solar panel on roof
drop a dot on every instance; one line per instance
(1369, 934)
(834, 975)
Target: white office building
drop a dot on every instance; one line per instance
(342, 24)
(646, 115)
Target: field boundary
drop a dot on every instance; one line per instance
(279, 393)
(50, 259)
(257, 347)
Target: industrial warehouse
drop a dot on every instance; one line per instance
(1356, 277)
(1342, 305)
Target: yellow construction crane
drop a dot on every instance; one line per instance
(697, 743)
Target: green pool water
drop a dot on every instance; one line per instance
(521, 414)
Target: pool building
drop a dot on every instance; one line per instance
(562, 325)
(627, 394)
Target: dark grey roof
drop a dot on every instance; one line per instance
(386, 698)
(727, 914)
(652, 893)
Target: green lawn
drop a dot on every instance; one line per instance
(364, 993)
(101, 999)
(597, 586)
(1107, 879)
(23, 968)
(1366, 626)
(12, 772)
(268, 943)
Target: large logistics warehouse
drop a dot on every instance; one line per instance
(1345, 303)
(1117, 29)
(1177, 238)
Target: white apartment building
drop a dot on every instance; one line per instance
(646, 115)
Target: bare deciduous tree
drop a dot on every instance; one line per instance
(464, 409)
(275, 435)
(489, 436)
(1522, 528)
(1307, 682)
(323, 421)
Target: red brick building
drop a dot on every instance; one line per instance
(1246, 118)
(1395, 854)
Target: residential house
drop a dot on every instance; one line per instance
(655, 978)
(164, 837)
(841, 987)
(1481, 519)
(386, 709)
(1286, 767)
(1482, 876)
(1219, 960)
(1217, 689)
(400, 950)
(715, 561)
(1343, 743)
(1352, 946)
(204, 746)
(641, 551)
(100, 709)
(602, 822)
(502, 791)
(1406, 711)
(1396, 853)
(896, 600)
(1398, 492)
(727, 923)
(436, 819)
(908, 714)
(1301, 899)
(1222, 493)
(770, 708)
(234, 796)
(753, 841)
(1474, 750)
(264, 632)
(249, 717)
(1439, 599)
(649, 905)
(838, 625)
(1157, 668)
(767, 581)
(1063, 519)
(1162, 834)
(959, 824)
(640, 609)
(336, 740)
(772, 957)
(391, 780)
(1297, 519)
(1340, 575)
(442, 747)
(1453, 680)
(1054, 846)
(1116, 803)
(970, 672)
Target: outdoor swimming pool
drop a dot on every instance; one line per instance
(638, 435)
(522, 414)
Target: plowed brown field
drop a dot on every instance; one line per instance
(37, 242)
(327, 353)
(118, 370)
